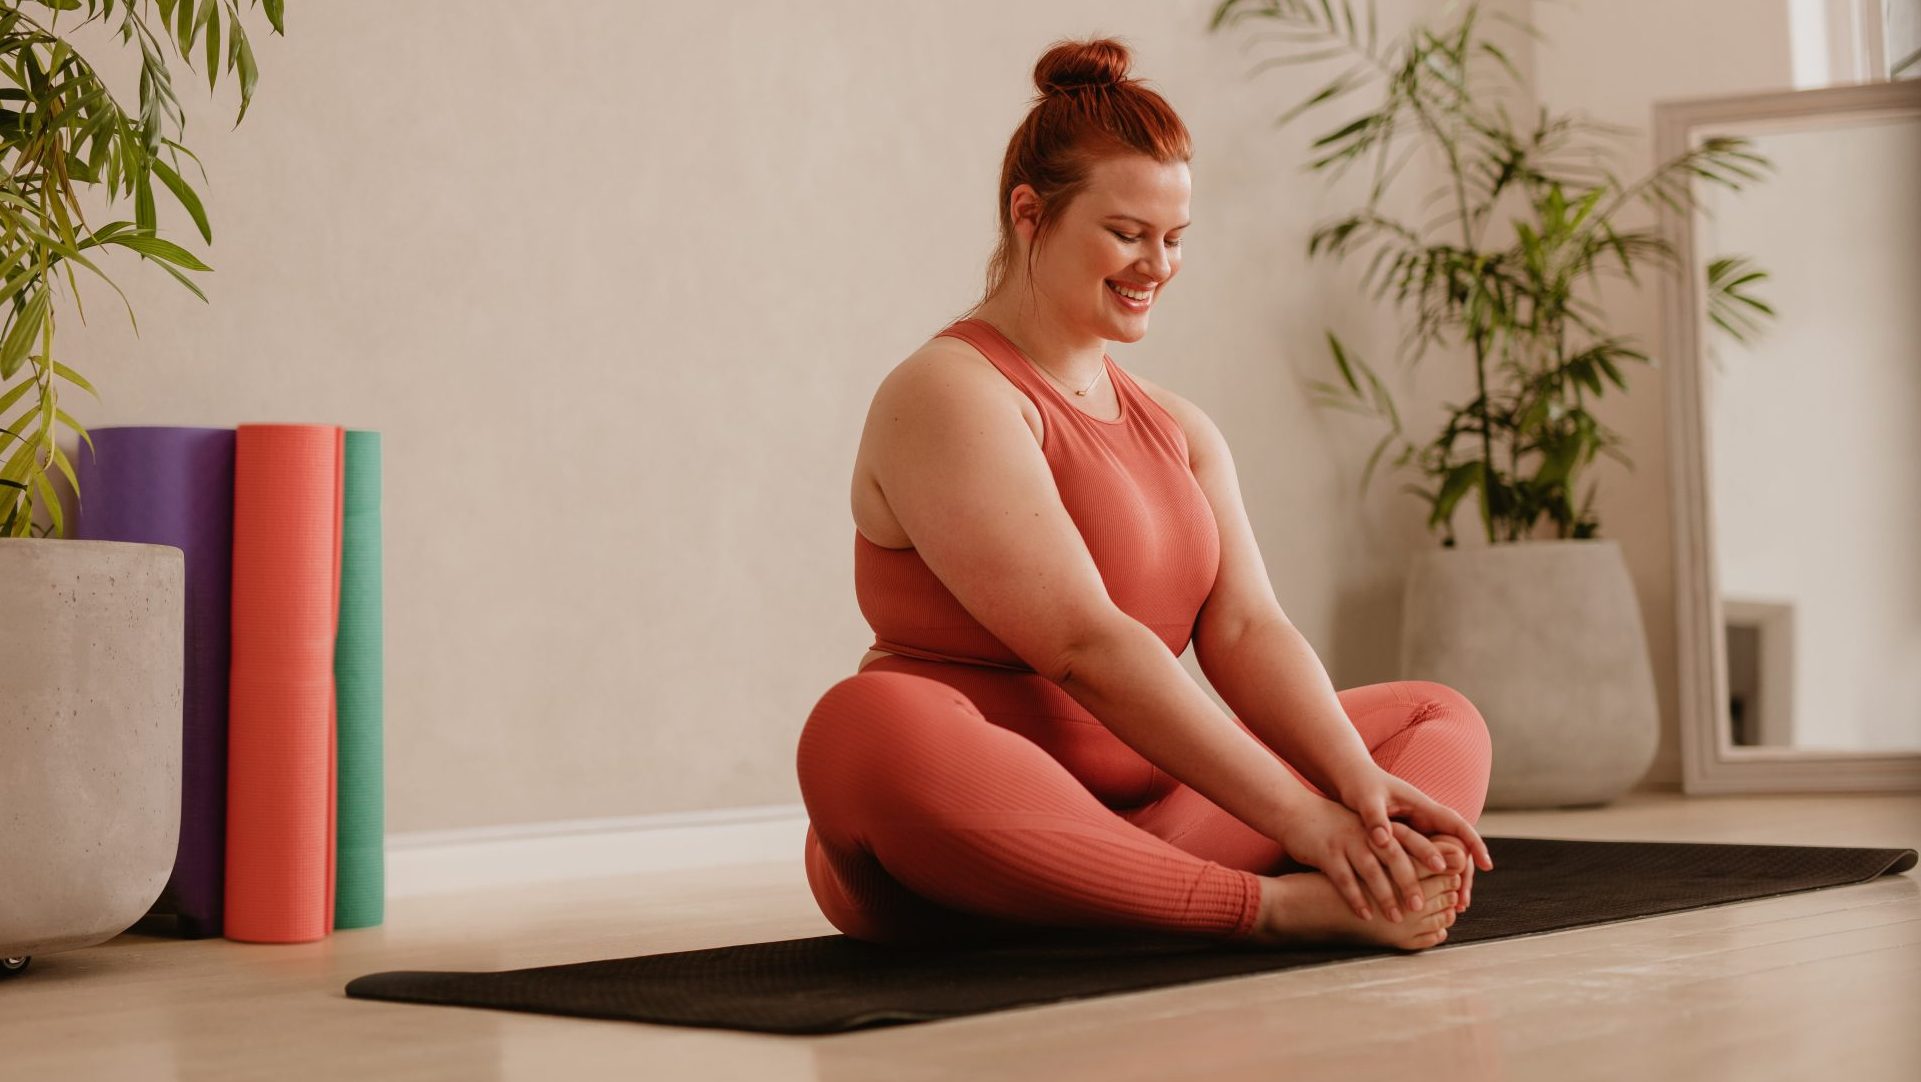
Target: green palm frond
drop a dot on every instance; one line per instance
(1730, 306)
(62, 130)
(1522, 306)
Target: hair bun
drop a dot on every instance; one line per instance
(1069, 64)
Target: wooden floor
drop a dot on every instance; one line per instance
(1820, 985)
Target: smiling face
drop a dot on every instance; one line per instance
(1122, 232)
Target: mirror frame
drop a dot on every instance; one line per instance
(1710, 763)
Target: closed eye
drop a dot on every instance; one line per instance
(1132, 239)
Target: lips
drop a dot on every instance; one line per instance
(1130, 303)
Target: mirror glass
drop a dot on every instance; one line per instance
(1813, 436)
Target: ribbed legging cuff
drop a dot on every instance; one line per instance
(1052, 868)
(1238, 897)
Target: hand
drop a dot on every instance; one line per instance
(1376, 794)
(1327, 835)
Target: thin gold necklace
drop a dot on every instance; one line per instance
(1043, 368)
(1056, 379)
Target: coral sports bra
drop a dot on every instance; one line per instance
(1127, 485)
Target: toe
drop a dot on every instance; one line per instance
(1442, 911)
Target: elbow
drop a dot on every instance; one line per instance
(1084, 651)
(1060, 665)
(1219, 635)
(1064, 666)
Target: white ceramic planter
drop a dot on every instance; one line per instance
(1546, 639)
(91, 641)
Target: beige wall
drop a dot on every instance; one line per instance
(617, 288)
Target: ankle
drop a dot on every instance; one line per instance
(1273, 903)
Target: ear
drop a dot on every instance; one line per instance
(1023, 210)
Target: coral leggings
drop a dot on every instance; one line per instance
(960, 803)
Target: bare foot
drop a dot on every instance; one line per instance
(1306, 908)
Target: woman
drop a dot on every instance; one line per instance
(1038, 535)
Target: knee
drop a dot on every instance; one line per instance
(1471, 747)
(872, 702)
(874, 714)
(872, 742)
(1438, 698)
(1442, 702)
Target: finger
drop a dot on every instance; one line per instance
(1467, 887)
(1468, 834)
(1378, 830)
(1406, 878)
(1419, 848)
(1377, 881)
(1455, 823)
(1349, 887)
(1455, 845)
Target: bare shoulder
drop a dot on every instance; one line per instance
(945, 352)
(946, 368)
(936, 363)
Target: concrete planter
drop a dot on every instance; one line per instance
(91, 641)
(1546, 638)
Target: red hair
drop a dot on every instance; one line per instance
(1088, 110)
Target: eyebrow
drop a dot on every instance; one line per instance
(1143, 222)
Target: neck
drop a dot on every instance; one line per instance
(1071, 357)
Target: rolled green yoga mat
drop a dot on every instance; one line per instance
(360, 886)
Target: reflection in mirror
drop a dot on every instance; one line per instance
(1812, 443)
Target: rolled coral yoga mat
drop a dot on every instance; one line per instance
(281, 724)
(826, 984)
(360, 855)
(174, 486)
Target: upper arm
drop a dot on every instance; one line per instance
(961, 471)
(1242, 595)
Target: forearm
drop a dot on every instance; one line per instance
(1270, 677)
(1134, 686)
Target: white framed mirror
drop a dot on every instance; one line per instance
(1795, 457)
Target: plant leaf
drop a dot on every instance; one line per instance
(158, 248)
(186, 196)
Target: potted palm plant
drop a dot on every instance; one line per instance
(1539, 626)
(92, 631)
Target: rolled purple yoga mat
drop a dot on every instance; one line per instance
(174, 486)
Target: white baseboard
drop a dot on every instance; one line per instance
(451, 861)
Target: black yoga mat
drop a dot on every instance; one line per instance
(827, 984)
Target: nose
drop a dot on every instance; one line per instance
(1158, 266)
